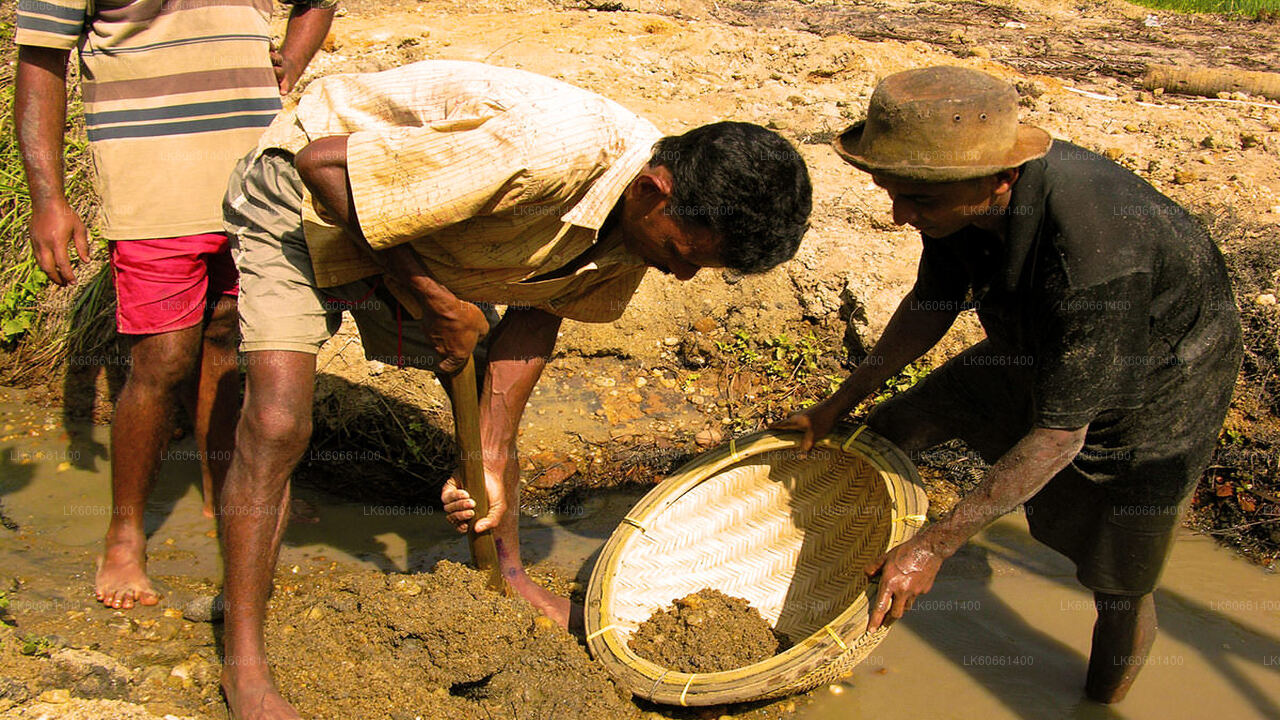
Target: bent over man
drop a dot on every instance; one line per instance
(1112, 346)
(407, 196)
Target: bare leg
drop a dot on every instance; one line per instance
(253, 509)
(216, 401)
(140, 433)
(1122, 638)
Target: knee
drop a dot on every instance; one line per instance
(1121, 609)
(161, 369)
(280, 431)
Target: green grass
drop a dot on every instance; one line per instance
(34, 320)
(1262, 9)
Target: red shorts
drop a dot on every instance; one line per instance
(170, 284)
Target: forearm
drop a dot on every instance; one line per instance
(519, 349)
(304, 34)
(1017, 475)
(911, 332)
(40, 115)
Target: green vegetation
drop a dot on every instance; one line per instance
(1260, 9)
(36, 645)
(901, 382)
(38, 325)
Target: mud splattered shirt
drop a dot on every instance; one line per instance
(1112, 304)
(175, 92)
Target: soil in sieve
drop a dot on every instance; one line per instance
(431, 645)
(707, 631)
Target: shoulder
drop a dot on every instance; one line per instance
(1104, 222)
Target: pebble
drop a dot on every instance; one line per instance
(671, 341)
(1265, 299)
(1113, 154)
(206, 608)
(407, 587)
(709, 437)
(1183, 177)
(55, 697)
(704, 324)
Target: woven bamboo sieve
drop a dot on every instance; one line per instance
(755, 520)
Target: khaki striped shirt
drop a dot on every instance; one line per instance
(498, 178)
(175, 92)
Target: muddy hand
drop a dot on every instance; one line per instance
(454, 335)
(55, 225)
(906, 572)
(815, 422)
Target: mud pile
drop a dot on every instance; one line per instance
(429, 645)
(707, 631)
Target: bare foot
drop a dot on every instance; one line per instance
(122, 575)
(256, 699)
(559, 609)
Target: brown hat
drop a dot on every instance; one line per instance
(941, 124)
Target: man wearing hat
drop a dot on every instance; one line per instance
(1112, 345)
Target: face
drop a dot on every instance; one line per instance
(941, 209)
(652, 231)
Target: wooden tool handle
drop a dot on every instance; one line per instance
(466, 421)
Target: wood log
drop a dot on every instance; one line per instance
(1208, 82)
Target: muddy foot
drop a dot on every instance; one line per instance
(122, 576)
(559, 609)
(257, 700)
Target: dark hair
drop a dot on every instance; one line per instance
(746, 183)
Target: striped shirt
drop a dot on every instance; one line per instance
(175, 92)
(498, 178)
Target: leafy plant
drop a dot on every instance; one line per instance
(902, 382)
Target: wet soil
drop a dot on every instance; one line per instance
(707, 631)
(436, 644)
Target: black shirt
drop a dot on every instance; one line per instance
(1114, 304)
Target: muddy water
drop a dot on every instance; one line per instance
(1003, 634)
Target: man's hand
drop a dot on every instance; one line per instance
(287, 70)
(454, 334)
(906, 572)
(54, 226)
(815, 422)
(460, 507)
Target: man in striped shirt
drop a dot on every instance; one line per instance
(175, 91)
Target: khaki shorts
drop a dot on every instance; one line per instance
(280, 306)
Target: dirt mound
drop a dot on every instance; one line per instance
(429, 645)
(707, 631)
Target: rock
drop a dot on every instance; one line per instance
(59, 696)
(1113, 153)
(1210, 142)
(206, 608)
(1183, 177)
(980, 52)
(1249, 141)
(14, 691)
(555, 468)
(704, 324)
(1265, 299)
(708, 437)
(1130, 127)
(331, 43)
(405, 586)
(92, 674)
